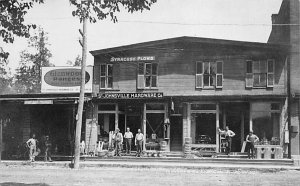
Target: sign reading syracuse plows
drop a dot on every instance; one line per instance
(65, 79)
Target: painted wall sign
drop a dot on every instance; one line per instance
(136, 58)
(65, 79)
(130, 95)
(38, 102)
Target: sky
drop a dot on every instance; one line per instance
(242, 20)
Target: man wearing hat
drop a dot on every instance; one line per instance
(118, 137)
(251, 139)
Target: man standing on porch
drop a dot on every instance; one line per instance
(139, 137)
(128, 140)
(251, 140)
(118, 142)
(228, 136)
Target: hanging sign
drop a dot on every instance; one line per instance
(130, 95)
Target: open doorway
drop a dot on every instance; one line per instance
(204, 128)
(176, 133)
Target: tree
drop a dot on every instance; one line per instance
(28, 77)
(5, 76)
(92, 10)
(12, 24)
(76, 62)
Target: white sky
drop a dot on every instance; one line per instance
(245, 20)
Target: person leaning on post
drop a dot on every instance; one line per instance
(128, 140)
(139, 137)
(229, 134)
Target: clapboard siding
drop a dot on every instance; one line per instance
(177, 70)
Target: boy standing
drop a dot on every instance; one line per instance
(251, 140)
(31, 144)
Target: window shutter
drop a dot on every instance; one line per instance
(116, 75)
(140, 77)
(219, 75)
(249, 74)
(199, 74)
(270, 73)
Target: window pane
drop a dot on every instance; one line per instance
(155, 107)
(206, 68)
(109, 70)
(263, 66)
(109, 82)
(256, 67)
(206, 80)
(275, 106)
(219, 67)
(263, 80)
(102, 82)
(154, 81)
(249, 67)
(147, 81)
(154, 68)
(213, 68)
(106, 107)
(102, 70)
(141, 69)
(148, 69)
(199, 68)
(256, 80)
(212, 80)
(270, 66)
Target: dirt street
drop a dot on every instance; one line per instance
(25, 176)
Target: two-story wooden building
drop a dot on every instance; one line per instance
(189, 87)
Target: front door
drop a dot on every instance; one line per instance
(176, 133)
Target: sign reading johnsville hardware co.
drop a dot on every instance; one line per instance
(65, 79)
(130, 95)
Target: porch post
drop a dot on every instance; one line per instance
(242, 128)
(217, 127)
(144, 126)
(188, 120)
(117, 116)
(224, 118)
(250, 118)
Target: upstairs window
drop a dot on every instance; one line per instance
(209, 74)
(147, 75)
(260, 74)
(106, 76)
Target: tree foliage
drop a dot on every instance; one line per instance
(76, 62)
(5, 76)
(12, 24)
(101, 9)
(28, 77)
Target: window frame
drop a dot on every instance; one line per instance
(142, 76)
(199, 76)
(107, 76)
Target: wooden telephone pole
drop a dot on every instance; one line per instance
(81, 96)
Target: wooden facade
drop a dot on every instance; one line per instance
(205, 83)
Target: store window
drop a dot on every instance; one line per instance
(106, 76)
(260, 74)
(209, 74)
(266, 121)
(147, 75)
(203, 123)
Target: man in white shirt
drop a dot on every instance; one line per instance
(31, 144)
(128, 140)
(228, 136)
(139, 137)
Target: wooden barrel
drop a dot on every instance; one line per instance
(163, 146)
(187, 145)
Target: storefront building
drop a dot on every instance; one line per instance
(189, 87)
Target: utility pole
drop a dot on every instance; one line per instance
(81, 96)
(1, 144)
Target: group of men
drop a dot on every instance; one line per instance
(33, 150)
(128, 137)
(251, 139)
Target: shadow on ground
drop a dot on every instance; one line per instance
(22, 184)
